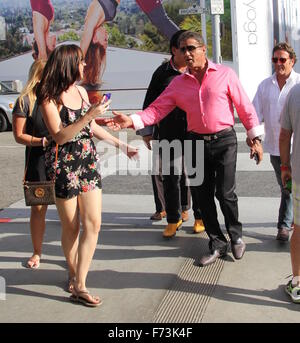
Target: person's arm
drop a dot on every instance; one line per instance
(19, 127)
(258, 105)
(285, 141)
(94, 17)
(158, 110)
(244, 107)
(61, 134)
(21, 137)
(285, 148)
(102, 134)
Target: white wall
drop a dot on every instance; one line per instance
(289, 25)
(252, 35)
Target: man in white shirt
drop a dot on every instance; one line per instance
(268, 102)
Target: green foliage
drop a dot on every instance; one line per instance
(13, 44)
(193, 23)
(172, 8)
(226, 41)
(116, 37)
(153, 40)
(70, 35)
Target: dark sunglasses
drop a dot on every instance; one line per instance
(281, 60)
(189, 48)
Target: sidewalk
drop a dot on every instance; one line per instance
(143, 278)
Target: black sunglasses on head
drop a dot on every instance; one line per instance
(189, 48)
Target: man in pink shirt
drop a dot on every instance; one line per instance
(208, 93)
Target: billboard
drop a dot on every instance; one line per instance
(147, 25)
(252, 31)
(94, 33)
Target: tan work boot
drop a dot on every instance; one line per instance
(198, 226)
(171, 229)
(185, 216)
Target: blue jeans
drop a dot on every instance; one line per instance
(285, 216)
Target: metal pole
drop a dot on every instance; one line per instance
(203, 22)
(276, 22)
(215, 19)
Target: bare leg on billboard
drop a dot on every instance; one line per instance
(158, 16)
(42, 16)
(94, 44)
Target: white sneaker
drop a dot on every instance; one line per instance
(293, 292)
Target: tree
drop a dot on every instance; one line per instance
(116, 37)
(70, 35)
(193, 23)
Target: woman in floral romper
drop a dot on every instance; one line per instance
(71, 124)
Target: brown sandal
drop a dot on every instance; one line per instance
(79, 297)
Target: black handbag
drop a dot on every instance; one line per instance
(39, 192)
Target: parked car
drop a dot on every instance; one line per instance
(7, 100)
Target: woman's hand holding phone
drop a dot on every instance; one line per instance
(99, 108)
(105, 98)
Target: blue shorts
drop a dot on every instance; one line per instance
(109, 8)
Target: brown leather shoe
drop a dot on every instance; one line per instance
(211, 258)
(198, 226)
(283, 235)
(185, 216)
(238, 249)
(171, 229)
(158, 215)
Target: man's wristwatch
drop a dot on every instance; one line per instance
(257, 138)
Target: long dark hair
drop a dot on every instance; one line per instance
(95, 60)
(61, 71)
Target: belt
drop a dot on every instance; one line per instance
(212, 136)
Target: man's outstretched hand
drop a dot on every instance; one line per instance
(119, 121)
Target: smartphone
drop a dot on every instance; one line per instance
(106, 97)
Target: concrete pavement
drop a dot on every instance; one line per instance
(134, 268)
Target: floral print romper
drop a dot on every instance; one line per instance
(76, 170)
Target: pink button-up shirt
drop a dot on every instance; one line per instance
(209, 106)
